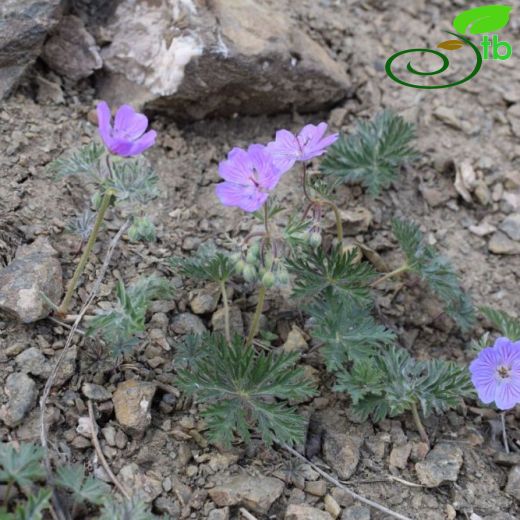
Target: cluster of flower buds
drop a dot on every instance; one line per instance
(261, 265)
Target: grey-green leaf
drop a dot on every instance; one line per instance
(484, 19)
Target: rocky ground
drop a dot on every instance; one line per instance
(464, 191)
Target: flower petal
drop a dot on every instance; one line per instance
(507, 394)
(129, 124)
(237, 168)
(247, 198)
(143, 143)
(507, 350)
(105, 128)
(121, 147)
(267, 174)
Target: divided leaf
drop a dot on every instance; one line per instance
(436, 270)
(337, 274)
(504, 322)
(121, 325)
(83, 488)
(348, 332)
(208, 264)
(390, 383)
(22, 466)
(373, 155)
(243, 390)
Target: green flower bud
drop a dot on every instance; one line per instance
(268, 279)
(249, 273)
(315, 239)
(282, 276)
(240, 265)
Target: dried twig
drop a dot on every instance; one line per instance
(337, 483)
(99, 452)
(246, 514)
(68, 343)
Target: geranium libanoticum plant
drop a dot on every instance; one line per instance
(118, 175)
(245, 383)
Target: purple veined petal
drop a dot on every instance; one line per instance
(327, 141)
(507, 350)
(266, 173)
(310, 135)
(507, 394)
(143, 143)
(247, 198)
(488, 359)
(486, 392)
(237, 168)
(129, 124)
(121, 147)
(104, 122)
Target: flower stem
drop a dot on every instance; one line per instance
(504, 432)
(227, 330)
(105, 203)
(266, 219)
(256, 318)
(395, 272)
(304, 183)
(339, 224)
(419, 425)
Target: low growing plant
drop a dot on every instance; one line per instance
(244, 387)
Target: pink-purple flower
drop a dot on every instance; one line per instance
(496, 374)
(128, 136)
(249, 177)
(288, 148)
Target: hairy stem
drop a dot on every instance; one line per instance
(339, 224)
(304, 183)
(256, 317)
(105, 203)
(419, 425)
(504, 431)
(395, 272)
(227, 330)
(266, 219)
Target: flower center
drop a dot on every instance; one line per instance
(503, 371)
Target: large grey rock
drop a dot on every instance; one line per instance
(304, 512)
(35, 270)
(23, 27)
(341, 451)
(441, 465)
(21, 391)
(255, 493)
(71, 50)
(194, 59)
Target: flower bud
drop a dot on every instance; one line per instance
(240, 265)
(96, 200)
(282, 276)
(315, 239)
(252, 254)
(249, 273)
(268, 279)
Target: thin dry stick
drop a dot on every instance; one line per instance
(246, 514)
(101, 456)
(504, 431)
(337, 483)
(68, 343)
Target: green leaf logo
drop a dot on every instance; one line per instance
(488, 18)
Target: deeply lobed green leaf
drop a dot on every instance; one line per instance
(373, 154)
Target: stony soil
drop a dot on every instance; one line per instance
(478, 122)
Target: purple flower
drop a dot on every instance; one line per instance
(496, 374)
(288, 148)
(249, 176)
(127, 137)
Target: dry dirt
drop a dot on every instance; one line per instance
(473, 121)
